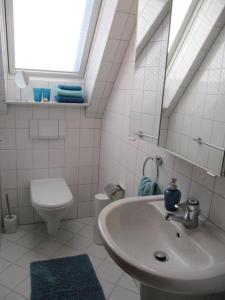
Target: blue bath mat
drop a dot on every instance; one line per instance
(68, 278)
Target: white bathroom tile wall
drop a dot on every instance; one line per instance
(62, 129)
(217, 211)
(23, 114)
(74, 156)
(74, 162)
(121, 160)
(23, 140)
(115, 26)
(9, 179)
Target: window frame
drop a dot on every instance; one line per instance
(9, 24)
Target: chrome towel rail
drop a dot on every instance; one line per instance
(158, 161)
(200, 141)
(142, 134)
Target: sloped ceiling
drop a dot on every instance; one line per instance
(116, 23)
(200, 38)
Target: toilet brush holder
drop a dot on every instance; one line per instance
(10, 223)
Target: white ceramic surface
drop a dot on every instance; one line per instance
(134, 228)
(51, 198)
(50, 193)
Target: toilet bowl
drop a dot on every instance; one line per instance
(51, 198)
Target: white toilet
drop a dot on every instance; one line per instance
(51, 198)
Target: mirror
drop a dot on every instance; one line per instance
(151, 49)
(151, 13)
(193, 113)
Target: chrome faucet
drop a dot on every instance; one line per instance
(187, 213)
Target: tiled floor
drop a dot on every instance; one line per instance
(32, 243)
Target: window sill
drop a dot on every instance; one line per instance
(51, 103)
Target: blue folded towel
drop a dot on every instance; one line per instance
(61, 92)
(68, 99)
(70, 87)
(147, 187)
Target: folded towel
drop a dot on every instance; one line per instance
(67, 99)
(147, 187)
(61, 92)
(70, 87)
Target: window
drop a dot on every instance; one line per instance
(49, 36)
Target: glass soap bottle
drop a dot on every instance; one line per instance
(172, 195)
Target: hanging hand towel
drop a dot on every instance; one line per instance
(147, 187)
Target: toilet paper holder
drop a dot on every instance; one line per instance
(114, 191)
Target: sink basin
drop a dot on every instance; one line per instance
(134, 229)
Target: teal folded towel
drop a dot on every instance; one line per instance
(147, 187)
(66, 99)
(61, 92)
(70, 87)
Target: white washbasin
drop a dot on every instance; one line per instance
(134, 228)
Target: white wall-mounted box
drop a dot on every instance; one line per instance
(47, 129)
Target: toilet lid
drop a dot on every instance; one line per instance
(50, 193)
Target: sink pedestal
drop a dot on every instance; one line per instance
(148, 293)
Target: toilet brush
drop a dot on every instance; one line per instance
(8, 206)
(10, 221)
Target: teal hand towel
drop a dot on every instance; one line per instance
(61, 92)
(147, 187)
(70, 87)
(67, 99)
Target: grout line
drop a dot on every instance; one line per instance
(83, 226)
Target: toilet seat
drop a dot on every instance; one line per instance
(50, 193)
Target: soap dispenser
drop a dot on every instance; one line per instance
(172, 195)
